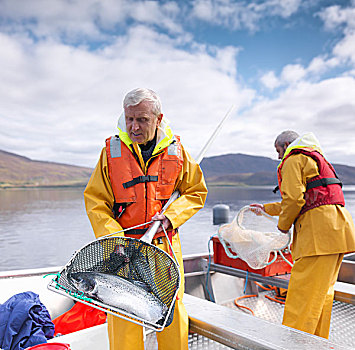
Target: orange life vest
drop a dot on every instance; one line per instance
(322, 189)
(140, 196)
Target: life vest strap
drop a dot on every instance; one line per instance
(139, 179)
(324, 182)
(136, 231)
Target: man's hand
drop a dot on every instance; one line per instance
(257, 208)
(163, 219)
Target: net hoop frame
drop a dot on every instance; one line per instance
(54, 286)
(231, 254)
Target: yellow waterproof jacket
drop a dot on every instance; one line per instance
(99, 197)
(328, 229)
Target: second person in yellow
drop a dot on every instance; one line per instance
(312, 200)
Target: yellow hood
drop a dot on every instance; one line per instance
(307, 140)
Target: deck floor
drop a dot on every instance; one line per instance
(196, 342)
(342, 328)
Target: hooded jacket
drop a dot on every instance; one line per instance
(139, 195)
(322, 189)
(327, 229)
(99, 195)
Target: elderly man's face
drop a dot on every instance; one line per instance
(141, 122)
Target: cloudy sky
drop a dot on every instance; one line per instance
(65, 66)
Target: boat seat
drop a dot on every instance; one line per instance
(15, 283)
(93, 338)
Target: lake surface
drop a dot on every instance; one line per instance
(44, 227)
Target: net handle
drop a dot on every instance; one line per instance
(148, 236)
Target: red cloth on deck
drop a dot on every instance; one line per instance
(80, 316)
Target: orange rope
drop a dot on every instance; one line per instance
(268, 287)
(278, 298)
(262, 287)
(242, 306)
(275, 299)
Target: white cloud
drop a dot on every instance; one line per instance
(59, 101)
(293, 73)
(345, 49)
(242, 14)
(320, 65)
(68, 98)
(334, 16)
(77, 21)
(58, 18)
(225, 13)
(282, 8)
(325, 108)
(270, 80)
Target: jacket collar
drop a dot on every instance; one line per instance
(307, 140)
(164, 134)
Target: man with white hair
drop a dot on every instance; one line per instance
(137, 172)
(313, 201)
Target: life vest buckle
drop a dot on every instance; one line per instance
(139, 179)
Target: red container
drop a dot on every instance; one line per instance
(278, 267)
(50, 346)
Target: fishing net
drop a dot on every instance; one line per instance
(252, 236)
(130, 259)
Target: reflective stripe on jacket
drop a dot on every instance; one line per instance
(140, 195)
(328, 193)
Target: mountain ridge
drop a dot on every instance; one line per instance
(235, 169)
(243, 169)
(20, 171)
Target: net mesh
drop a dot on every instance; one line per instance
(252, 236)
(131, 259)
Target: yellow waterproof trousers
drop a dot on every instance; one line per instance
(125, 335)
(310, 293)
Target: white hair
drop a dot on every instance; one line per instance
(138, 95)
(286, 136)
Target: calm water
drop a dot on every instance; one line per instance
(44, 227)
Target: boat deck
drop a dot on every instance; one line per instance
(226, 284)
(196, 342)
(342, 327)
(219, 325)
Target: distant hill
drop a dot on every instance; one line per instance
(242, 169)
(227, 169)
(19, 171)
